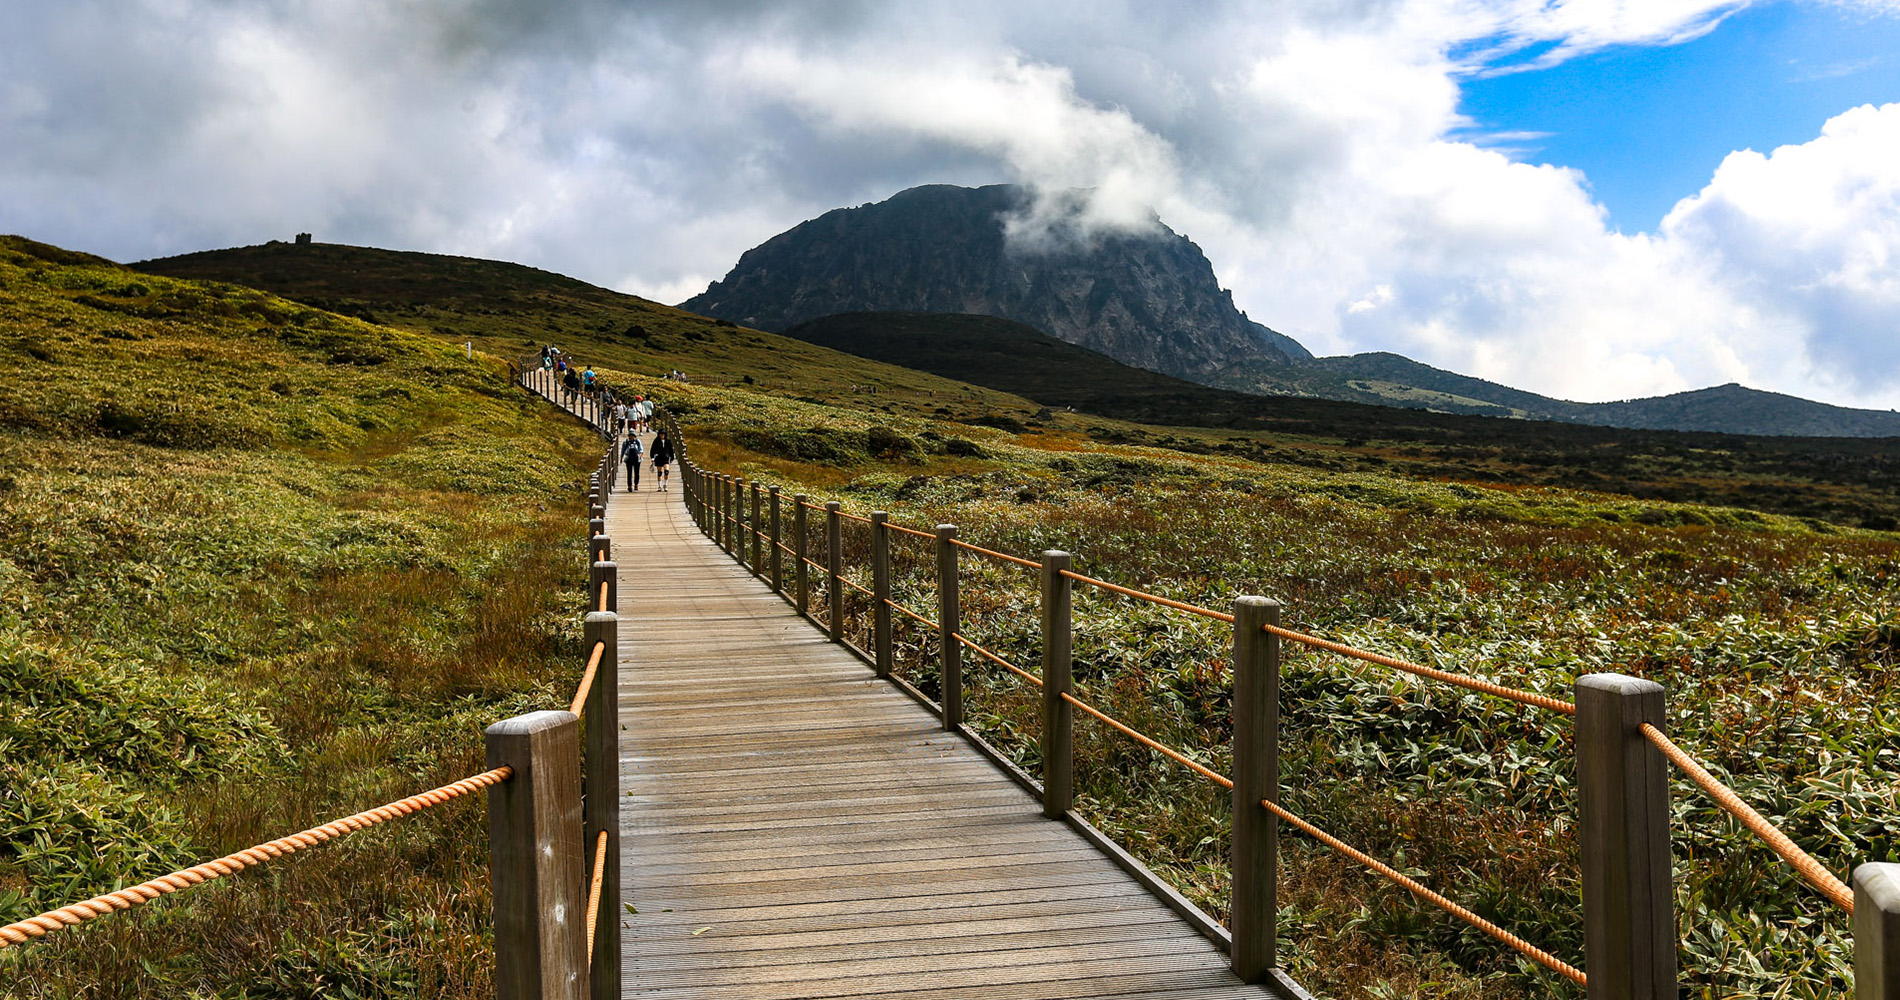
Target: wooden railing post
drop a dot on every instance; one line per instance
(834, 568)
(596, 525)
(600, 548)
(600, 802)
(738, 519)
(801, 552)
(607, 573)
(728, 533)
(757, 533)
(949, 623)
(732, 516)
(1256, 836)
(1629, 926)
(535, 869)
(778, 553)
(881, 652)
(1877, 931)
(1058, 719)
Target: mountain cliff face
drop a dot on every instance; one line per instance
(1145, 298)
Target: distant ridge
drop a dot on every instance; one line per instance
(1727, 409)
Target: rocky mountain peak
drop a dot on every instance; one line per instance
(1140, 293)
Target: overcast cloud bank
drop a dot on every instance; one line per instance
(1306, 146)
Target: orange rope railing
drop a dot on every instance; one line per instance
(911, 613)
(593, 892)
(854, 517)
(98, 906)
(993, 554)
(1151, 598)
(1166, 751)
(1472, 683)
(911, 531)
(855, 585)
(1516, 943)
(999, 661)
(587, 678)
(1816, 875)
(603, 596)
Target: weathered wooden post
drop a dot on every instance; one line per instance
(725, 513)
(1629, 926)
(596, 525)
(949, 615)
(757, 533)
(881, 652)
(1877, 931)
(834, 568)
(1256, 837)
(535, 871)
(600, 548)
(739, 525)
(603, 574)
(778, 550)
(600, 803)
(733, 511)
(801, 554)
(1058, 719)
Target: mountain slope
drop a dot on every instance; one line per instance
(511, 309)
(1146, 298)
(1727, 409)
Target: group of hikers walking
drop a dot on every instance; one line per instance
(627, 419)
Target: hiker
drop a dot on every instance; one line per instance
(588, 380)
(662, 458)
(645, 406)
(630, 456)
(571, 384)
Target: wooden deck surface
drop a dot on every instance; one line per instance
(794, 827)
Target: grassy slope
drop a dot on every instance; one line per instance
(510, 310)
(1851, 481)
(507, 308)
(260, 566)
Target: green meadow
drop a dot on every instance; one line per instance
(261, 566)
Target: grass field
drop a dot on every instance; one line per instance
(261, 566)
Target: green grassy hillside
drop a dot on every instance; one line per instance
(1850, 481)
(510, 309)
(260, 566)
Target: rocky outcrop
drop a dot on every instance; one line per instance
(1146, 297)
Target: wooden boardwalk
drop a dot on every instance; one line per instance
(794, 827)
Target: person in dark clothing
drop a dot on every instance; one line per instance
(630, 457)
(662, 459)
(572, 384)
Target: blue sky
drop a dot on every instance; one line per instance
(1648, 124)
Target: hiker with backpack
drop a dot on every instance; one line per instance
(630, 457)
